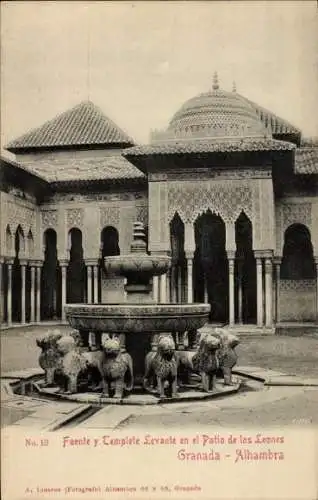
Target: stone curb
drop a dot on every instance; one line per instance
(275, 378)
(103, 402)
(52, 425)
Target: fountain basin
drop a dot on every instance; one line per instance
(140, 264)
(137, 318)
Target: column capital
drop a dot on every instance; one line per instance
(277, 260)
(263, 254)
(189, 255)
(23, 262)
(63, 262)
(36, 263)
(91, 262)
(9, 260)
(268, 265)
(231, 254)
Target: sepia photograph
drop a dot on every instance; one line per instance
(159, 248)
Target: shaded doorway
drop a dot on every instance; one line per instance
(50, 279)
(210, 270)
(297, 289)
(178, 260)
(109, 246)
(75, 291)
(245, 272)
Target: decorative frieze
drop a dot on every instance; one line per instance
(97, 197)
(226, 199)
(296, 213)
(74, 217)
(297, 285)
(213, 173)
(110, 216)
(49, 219)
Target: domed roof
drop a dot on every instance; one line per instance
(215, 114)
(215, 122)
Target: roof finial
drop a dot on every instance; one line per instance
(215, 85)
(234, 87)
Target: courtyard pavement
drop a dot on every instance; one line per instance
(258, 405)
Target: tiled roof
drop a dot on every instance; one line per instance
(83, 125)
(8, 162)
(113, 167)
(306, 160)
(207, 146)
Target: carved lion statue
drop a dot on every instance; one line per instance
(50, 356)
(117, 368)
(162, 364)
(227, 355)
(206, 362)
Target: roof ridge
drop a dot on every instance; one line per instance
(83, 124)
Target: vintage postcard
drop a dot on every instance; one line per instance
(159, 250)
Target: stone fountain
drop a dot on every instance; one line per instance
(140, 346)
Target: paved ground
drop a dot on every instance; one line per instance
(269, 406)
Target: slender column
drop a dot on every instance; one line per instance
(259, 290)
(168, 291)
(231, 260)
(1, 294)
(9, 293)
(63, 264)
(179, 283)
(268, 292)
(23, 264)
(32, 298)
(240, 291)
(38, 292)
(163, 288)
(316, 262)
(278, 262)
(189, 257)
(89, 284)
(95, 269)
(205, 284)
(174, 283)
(155, 289)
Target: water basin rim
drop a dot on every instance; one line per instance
(144, 306)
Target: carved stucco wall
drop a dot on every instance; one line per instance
(18, 212)
(296, 211)
(225, 197)
(297, 300)
(91, 216)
